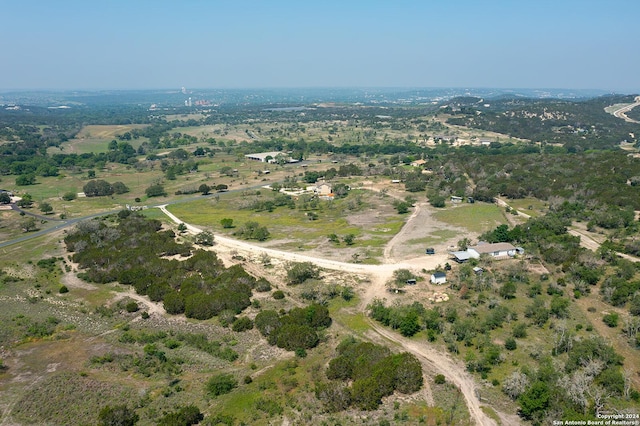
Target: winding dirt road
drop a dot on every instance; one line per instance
(431, 358)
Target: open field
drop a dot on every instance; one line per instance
(96, 138)
(476, 217)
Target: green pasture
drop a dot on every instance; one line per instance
(477, 217)
(531, 206)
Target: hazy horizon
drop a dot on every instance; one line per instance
(163, 45)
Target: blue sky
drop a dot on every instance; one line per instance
(145, 44)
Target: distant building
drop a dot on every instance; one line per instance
(265, 157)
(418, 163)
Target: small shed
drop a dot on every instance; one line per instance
(438, 278)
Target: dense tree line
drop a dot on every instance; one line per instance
(133, 251)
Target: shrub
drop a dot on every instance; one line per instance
(439, 379)
(278, 294)
(185, 416)
(510, 344)
(63, 289)
(611, 319)
(262, 285)
(120, 415)
(132, 306)
(242, 324)
(221, 384)
(300, 272)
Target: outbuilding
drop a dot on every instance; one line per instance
(438, 278)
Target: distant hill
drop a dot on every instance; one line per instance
(576, 124)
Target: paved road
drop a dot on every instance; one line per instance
(622, 112)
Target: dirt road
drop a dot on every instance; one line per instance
(433, 359)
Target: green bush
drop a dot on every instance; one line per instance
(611, 319)
(242, 324)
(132, 306)
(120, 415)
(278, 294)
(63, 289)
(510, 344)
(221, 384)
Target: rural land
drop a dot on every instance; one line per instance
(321, 257)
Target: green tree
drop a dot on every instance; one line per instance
(26, 179)
(349, 239)
(204, 188)
(508, 290)
(534, 400)
(402, 207)
(45, 207)
(156, 190)
(29, 224)
(97, 188)
(4, 198)
(173, 303)
(120, 188)
(26, 201)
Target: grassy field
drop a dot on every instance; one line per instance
(96, 138)
(531, 206)
(292, 227)
(476, 217)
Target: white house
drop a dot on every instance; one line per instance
(438, 278)
(498, 250)
(495, 250)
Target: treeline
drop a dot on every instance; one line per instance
(133, 250)
(577, 125)
(373, 373)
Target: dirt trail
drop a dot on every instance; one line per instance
(380, 274)
(399, 236)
